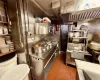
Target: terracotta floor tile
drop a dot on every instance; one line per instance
(59, 71)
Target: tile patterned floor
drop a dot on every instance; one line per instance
(59, 71)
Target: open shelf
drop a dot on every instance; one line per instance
(76, 51)
(4, 34)
(69, 61)
(79, 37)
(3, 22)
(77, 31)
(2, 54)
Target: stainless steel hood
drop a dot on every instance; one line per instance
(88, 14)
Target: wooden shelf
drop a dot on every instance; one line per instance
(4, 34)
(2, 54)
(3, 22)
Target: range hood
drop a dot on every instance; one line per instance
(88, 14)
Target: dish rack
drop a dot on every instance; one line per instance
(77, 44)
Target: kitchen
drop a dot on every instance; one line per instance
(49, 39)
